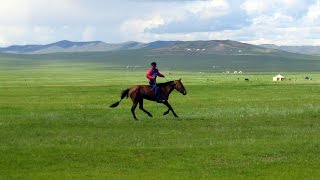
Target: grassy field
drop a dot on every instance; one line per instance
(55, 123)
(275, 62)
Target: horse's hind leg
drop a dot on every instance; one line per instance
(133, 108)
(170, 108)
(141, 107)
(166, 112)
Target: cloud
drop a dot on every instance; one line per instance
(195, 16)
(14, 12)
(7, 33)
(208, 9)
(274, 20)
(292, 7)
(135, 28)
(313, 14)
(270, 21)
(88, 33)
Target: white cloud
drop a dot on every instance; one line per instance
(313, 14)
(253, 6)
(208, 9)
(2, 41)
(7, 33)
(43, 33)
(275, 20)
(136, 27)
(189, 17)
(272, 6)
(33, 21)
(14, 12)
(43, 30)
(282, 22)
(269, 21)
(88, 33)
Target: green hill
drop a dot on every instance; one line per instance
(313, 50)
(221, 47)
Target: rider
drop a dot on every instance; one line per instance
(152, 74)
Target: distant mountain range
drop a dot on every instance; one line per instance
(213, 56)
(221, 47)
(312, 50)
(70, 46)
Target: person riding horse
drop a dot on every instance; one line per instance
(152, 74)
(138, 93)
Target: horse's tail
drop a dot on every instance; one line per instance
(124, 94)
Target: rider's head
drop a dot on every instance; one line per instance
(153, 64)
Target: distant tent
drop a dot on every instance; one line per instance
(278, 78)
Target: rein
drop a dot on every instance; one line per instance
(172, 85)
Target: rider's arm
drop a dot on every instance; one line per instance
(160, 75)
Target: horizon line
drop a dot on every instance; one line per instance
(35, 44)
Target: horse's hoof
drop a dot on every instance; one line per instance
(165, 113)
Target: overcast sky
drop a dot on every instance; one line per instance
(281, 22)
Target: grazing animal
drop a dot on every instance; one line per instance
(138, 93)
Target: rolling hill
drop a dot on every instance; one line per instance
(220, 47)
(203, 47)
(204, 56)
(312, 50)
(69, 46)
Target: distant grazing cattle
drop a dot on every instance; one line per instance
(308, 78)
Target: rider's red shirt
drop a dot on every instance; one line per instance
(153, 73)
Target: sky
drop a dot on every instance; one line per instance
(280, 22)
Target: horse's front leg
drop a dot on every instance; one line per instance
(170, 108)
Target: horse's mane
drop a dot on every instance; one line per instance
(164, 84)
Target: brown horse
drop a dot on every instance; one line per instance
(139, 92)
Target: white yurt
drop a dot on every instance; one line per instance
(279, 77)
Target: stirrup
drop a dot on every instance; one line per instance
(161, 101)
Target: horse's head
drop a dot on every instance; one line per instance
(179, 86)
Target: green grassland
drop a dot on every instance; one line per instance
(55, 122)
(195, 62)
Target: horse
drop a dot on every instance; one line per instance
(138, 93)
